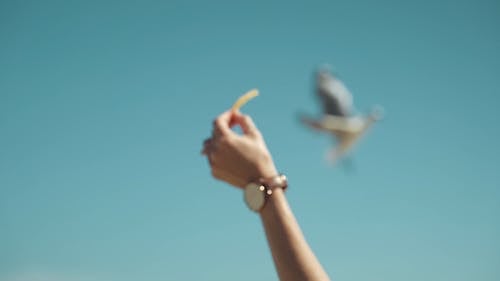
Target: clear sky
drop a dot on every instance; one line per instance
(104, 106)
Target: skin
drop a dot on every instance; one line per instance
(241, 159)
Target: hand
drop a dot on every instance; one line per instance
(238, 159)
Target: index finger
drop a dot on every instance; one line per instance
(222, 122)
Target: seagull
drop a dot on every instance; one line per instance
(338, 117)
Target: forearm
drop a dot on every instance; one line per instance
(293, 258)
(243, 160)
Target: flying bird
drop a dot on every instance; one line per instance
(339, 118)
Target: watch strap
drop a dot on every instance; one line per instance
(279, 181)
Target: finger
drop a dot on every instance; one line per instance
(204, 147)
(216, 133)
(246, 123)
(222, 123)
(210, 159)
(208, 146)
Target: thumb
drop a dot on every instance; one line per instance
(246, 124)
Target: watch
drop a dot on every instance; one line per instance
(257, 193)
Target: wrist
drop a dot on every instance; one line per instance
(259, 192)
(273, 203)
(266, 173)
(266, 169)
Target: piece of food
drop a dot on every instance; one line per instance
(244, 99)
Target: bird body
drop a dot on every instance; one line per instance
(338, 118)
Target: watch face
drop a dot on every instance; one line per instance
(255, 196)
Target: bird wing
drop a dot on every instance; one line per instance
(335, 97)
(341, 124)
(313, 123)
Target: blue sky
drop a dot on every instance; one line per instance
(104, 106)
